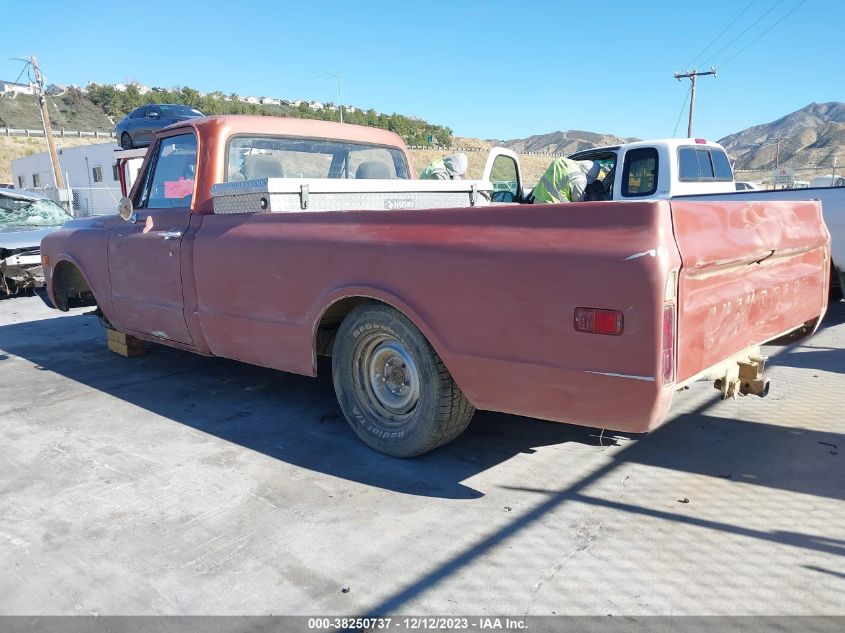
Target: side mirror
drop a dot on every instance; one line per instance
(503, 196)
(152, 114)
(126, 211)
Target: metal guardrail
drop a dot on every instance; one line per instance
(480, 149)
(59, 133)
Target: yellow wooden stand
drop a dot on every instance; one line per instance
(124, 344)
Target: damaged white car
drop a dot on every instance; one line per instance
(25, 218)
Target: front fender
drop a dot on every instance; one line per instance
(83, 244)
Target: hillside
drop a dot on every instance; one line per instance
(100, 106)
(810, 136)
(567, 142)
(67, 111)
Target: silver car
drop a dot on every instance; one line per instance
(25, 218)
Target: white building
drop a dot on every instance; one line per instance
(269, 101)
(316, 105)
(90, 172)
(11, 88)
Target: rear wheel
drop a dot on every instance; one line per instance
(126, 141)
(393, 388)
(837, 293)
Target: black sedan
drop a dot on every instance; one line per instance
(136, 128)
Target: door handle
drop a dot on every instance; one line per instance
(170, 235)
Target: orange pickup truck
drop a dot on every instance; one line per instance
(272, 241)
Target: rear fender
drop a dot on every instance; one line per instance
(420, 321)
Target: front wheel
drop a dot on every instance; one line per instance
(393, 388)
(126, 141)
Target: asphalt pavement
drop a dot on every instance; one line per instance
(177, 484)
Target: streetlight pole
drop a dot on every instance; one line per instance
(339, 95)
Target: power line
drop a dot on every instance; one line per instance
(754, 41)
(23, 70)
(681, 113)
(748, 28)
(719, 36)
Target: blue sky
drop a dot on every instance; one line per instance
(491, 69)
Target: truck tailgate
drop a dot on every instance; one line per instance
(750, 272)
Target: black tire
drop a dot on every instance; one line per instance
(126, 141)
(376, 340)
(839, 292)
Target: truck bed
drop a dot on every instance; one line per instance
(494, 289)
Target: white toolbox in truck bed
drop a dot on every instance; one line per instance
(279, 195)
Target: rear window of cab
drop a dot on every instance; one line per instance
(252, 157)
(703, 164)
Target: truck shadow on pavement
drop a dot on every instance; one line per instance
(292, 418)
(296, 419)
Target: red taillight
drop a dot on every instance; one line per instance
(668, 343)
(701, 141)
(595, 321)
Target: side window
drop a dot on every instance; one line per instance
(139, 113)
(721, 165)
(639, 173)
(173, 172)
(36, 180)
(97, 174)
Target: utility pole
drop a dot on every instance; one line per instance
(777, 141)
(692, 75)
(45, 120)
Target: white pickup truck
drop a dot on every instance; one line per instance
(700, 169)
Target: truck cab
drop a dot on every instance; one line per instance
(662, 168)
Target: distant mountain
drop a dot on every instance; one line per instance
(809, 136)
(566, 142)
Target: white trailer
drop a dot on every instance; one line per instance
(90, 173)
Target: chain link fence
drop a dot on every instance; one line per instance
(84, 202)
(802, 174)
